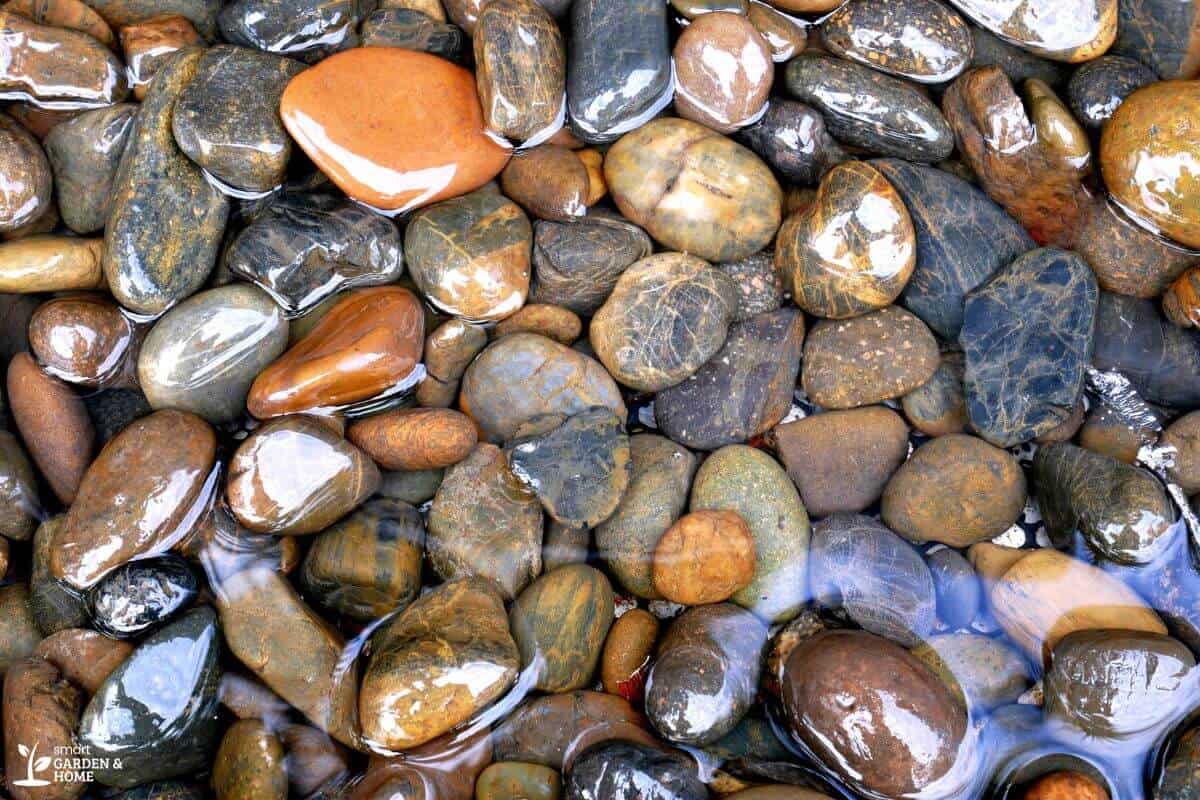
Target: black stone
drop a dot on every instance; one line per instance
(114, 410)
(1157, 357)
(412, 30)
(620, 770)
(867, 109)
(1159, 33)
(1098, 87)
(158, 711)
(142, 595)
(577, 264)
(959, 594)
(1027, 336)
(791, 137)
(963, 237)
(619, 66)
(305, 29)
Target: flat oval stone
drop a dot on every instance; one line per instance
(1027, 335)
(53, 423)
(40, 706)
(867, 109)
(470, 256)
(657, 494)
(366, 347)
(71, 14)
(140, 596)
(415, 438)
(507, 779)
(1126, 258)
(484, 522)
(852, 250)
(250, 763)
(879, 580)
(627, 654)
(19, 504)
(304, 248)
(1151, 134)
(203, 355)
(157, 713)
(441, 660)
(1071, 31)
(51, 264)
(305, 29)
(82, 339)
(920, 40)
(748, 481)
(226, 119)
(743, 390)
(549, 181)
(150, 44)
(706, 674)
(413, 30)
(522, 375)
(623, 770)
(85, 657)
(792, 138)
(166, 221)
(864, 360)
(85, 152)
(1133, 338)
(962, 238)
(295, 476)
(138, 497)
(26, 192)
(667, 315)
(1163, 34)
(723, 72)
(57, 67)
(577, 265)
(619, 66)
(872, 712)
(1098, 87)
(559, 623)
(543, 729)
(694, 190)
(520, 69)
(362, 117)
(1121, 510)
(983, 673)
(558, 323)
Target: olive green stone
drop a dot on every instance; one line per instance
(515, 780)
(55, 604)
(85, 152)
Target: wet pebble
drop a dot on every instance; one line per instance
(1098, 87)
(1180, 777)
(759, 285)
(140, 596)
(52, 65)
(705, 557)
(415, 438)
(19, 502)
(959, 593)
(71, 14)
(1162, 34)
(53, 423)
(150, 44)
(1126, 258)
(28, 180)
(577, 265)
(307, 30)
(19, 634)
(983, 673)
(558, 323)
(85, 657)
(549, 181)
(448, 351)
(1134, 338)
(723, 71)
(782, 33)
(85, 152)
(623, 770)
(920, 40)
(54, 604)
(938, 407)
(520, 68)
(40, 706)
(411, 29)
(1075, 31)
(544, 729)
(249, 764)
(626, 657)
(51, 264)
(81, 339)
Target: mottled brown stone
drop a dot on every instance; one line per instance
(445, 768)
(546, 730)
(723, 71)
(51, 264)
(782, 34)
(150, 44)
(1064, 785)
(560, 324)
(25, 195)
(249, 764)
(520, 68)
(415, 438)
(705, 557)
(81, 339)
(72, 14)
(52, 65)
(920, 40)
(53, 423)
(41, 707)
(549, 181)
(1126, 258)
(1062, 30)
(625, 659)
(85, 657)
(19, 504)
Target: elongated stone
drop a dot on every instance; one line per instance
(51, 264)
(53, 66)
(413, 30)
(305, 29)
(520, 68)
(921, 40)
(40, 706)
(73, 14)
(54, 424)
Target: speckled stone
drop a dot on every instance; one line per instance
(759, 285)
(71, 14)
(85, 152)
(1163, 34)
(1181, 775)
(1126, 258)
(792, 138)
(520, 68)
(1027, 335)
(28, 181)
(576, 265)
(305, 29)
(411, 29)
(1098, 87)
(250, 763)
(1070, 30)
(920, 40)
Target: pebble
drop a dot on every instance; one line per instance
(51, 264)
(577, 265)
(150, 44)
(520, 69)
(81, 339)
(749, 482)
(759, 285)
(85, 657)
(1184, 435)
(1065, 785)
(782, 34)
(627, 654)
(470, 255)
(656, 496)
(42, 707)
(564, 544)
(113, 410)
(1126, 258)
(982, 673)
(1162, 34)
(1180, 777)
(119, 13)
(361, 117)
(53, 423)
(723, 71)
(1098, 87)
(920, 40)
(28, 181)
(792, 138)
(19, 636)
(71, 14)
(448, 351)
(543, 729)
(1075, 31)
(1133, 338)
(694, 190)
(308, 30)
(510, 780)
(558, 323)
(415, 438)
(484, 522)
(694, 9)
(412, 29)
(1104, 431)
(867, 359)
(938, 407)
(250, 764)
(295, 476)
(549, 181)
(622, 770)
(432, 667)
(54, 604)
(51, 65)
(705, 557)
(166, 221)
(959, 592)
(1181, 301)
(559, 623)
(141, 596)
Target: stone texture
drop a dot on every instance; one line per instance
(983, 673)
(51, 264)
(547, 729)
(1078, 30)
(85, 152)
(140, 596)
(938, 407)
(577, 265)
(705, 557)
(723, 71)
(148, 46)
(1099, 86)
(40, 706)
(623, 770)
(85, 657)
(1163, 34)
(415, 438)
(920, 40)
(308, 30)
(81, 339)
(50, 65)
(413, 30)
(520, 69)
(28, 181)
(53, 423)
(792, 138)
(250, 763)
(1126, 258)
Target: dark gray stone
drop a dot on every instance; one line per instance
(412, 30)
(1098, 87)
(1159, 358)
(619, 770)
(305, 29)
(791, 137)
(84, 153)
(577, 264)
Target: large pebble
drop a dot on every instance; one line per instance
(723, 72)
(576, 265)
(520, 69)
(1134, 338)
(415, 438)
(549, 181)
(544, 729)
(26, 192)
(53, 423)
(250, 764)
(55, 66)
(1063, 30)
(51, 264)
(623, 770)
(1127, 258)
(920, 40)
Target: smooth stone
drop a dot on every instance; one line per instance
(1146, 677)
(114, 410)
(622, 770)
(618, 66)
(157, 713)
(1040, 599)
(743, 390)
(71, 14)
(549, 181)
(1121, 510)
(544, 729)
(1020, 65)
(962, 238)
(28, 180)
(878, 580)
(938, 407)
(19, 635)
(1148, 154)
(748, 481)
(558, 323)
(872, 712)
(368, 346)
(57, 67)
(1106, 432)
(484, 522)
(140, 596)
(559, 623)
(705, 557)
(510, 780)
(793, 139)
(694, 190)
(1028, 152)
(1156, 356)
(54, 604)
(19, 502)
(959, 592)
(290, 648)
(413, 488)
(411, 29)
(51, 264)
(225, 119)
(657, 494)
(119, 13)
(956, 490)
(627, 654)
(520, 69)
(1163, 34)
(1180, 778)
(991, 561)
(1072, 31)
(1027, 334)
(920, 40)
(308, 30)
(53, 423)
(983, 673)
(250, 764)
(470, 256)
(783, 34)
(1098, 87)
(451, 347)
(150, 44)
(40, 706)
(84, 657)
(522, 375)
(1184, 435)
(435, 665)
(759, 285)
(1064, 784)
(870, 110)
(415, 438)
(166, 221)
(1181, 301)
(577, 265)
(864, 360)
(666, 317)
(1126, 258)
(295, 476)
(723, 72)
(851, 251)
(82, 339)
(362, 118)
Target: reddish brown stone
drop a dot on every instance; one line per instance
(84, 656)
(72, 14)
(723, 71)
(150, 44)
(249, 764)
(415, 438)
(81, 339)
(41, 712)
(704, 557)
(560, 324)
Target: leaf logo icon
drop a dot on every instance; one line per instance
(32, 765)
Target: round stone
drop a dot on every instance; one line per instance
(250, 763)
(723, 71)
(938, 406)
(1098, 87)
(549, 181)
(82, 339)
(28, 181)
(705, 557)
